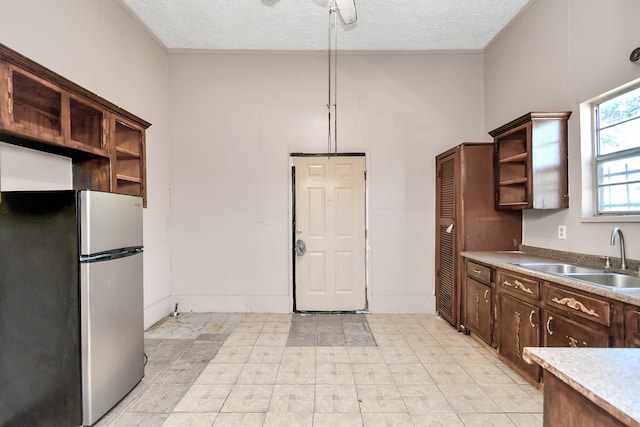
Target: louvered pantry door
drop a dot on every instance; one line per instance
(445, 239)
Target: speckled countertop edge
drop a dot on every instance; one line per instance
(608, 377)
(510, 259)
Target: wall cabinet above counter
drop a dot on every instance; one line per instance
(531, 162)
(42, 110)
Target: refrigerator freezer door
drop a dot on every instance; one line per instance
(112, 332)
(109, 221)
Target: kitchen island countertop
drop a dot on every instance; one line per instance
(608, 377)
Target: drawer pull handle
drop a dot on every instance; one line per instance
(576, 305)
(533, 325)
(518, 285)
(549, 325)
(475, 270)
(486, 294)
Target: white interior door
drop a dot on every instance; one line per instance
(330, 220)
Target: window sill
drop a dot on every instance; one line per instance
(611, 218)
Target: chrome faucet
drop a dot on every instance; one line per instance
(623, 258)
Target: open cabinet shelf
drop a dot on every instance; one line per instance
(42, 110)
(531, 162)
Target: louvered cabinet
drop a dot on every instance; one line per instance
(466, 220)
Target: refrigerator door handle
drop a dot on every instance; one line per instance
(113, 254)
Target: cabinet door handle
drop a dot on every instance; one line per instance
(549, 331)
(486, 293)
(533, 325)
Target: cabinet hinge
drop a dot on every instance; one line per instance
(365, 175)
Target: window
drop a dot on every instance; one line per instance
(617, 153)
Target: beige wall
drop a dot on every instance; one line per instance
(555, 56)
(99, 46)
(236, 118)
(218, 222)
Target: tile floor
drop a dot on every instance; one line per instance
(322, 370)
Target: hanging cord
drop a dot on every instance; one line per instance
(333, 85)
(331, 10)
(335, 82)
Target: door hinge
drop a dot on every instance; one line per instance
(365, 175)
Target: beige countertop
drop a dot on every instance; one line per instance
(608, 377)
(510, 260)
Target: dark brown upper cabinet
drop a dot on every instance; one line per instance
(531, 170)
(42, 110)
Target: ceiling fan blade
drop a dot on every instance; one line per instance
(347, 9)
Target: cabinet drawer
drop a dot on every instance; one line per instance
(480, 272)
(519, 285)
(591, 308)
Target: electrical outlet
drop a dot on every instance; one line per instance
(562, 232)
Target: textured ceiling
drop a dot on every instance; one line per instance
(382, 25)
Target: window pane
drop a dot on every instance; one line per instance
(621, 108)
(619, 171)
(619, 198)
(620, 137)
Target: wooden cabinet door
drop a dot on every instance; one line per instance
(128, 158)
(632, 326)
(478, 299)
(32, 106)
(560, 331)
(446, 251)
(518, 328)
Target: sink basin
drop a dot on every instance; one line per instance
(612, 280)
(585, 274)
(558, 268)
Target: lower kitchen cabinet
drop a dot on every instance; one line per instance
(478, 313)
(479, 301)
(510, 310)
(518, 327)
(632, 326)
(560, 331)
(564, 406)
(573, 319)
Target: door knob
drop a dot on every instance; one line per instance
(300, 248)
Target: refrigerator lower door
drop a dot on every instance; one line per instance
(112, 333)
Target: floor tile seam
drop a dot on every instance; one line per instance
(451, 399)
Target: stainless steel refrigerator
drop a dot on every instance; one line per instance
(71, 308)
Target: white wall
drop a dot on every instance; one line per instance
(236, 118)
(99, 46)
(558, 54)
(222, 190)
(23, 169)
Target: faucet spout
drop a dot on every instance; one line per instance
(623, 258)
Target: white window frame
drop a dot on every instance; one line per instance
(589, 153)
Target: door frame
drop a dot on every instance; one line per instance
(292, 223)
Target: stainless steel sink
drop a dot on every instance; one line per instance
(558, 268)
(612, 280)
(586, 274)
